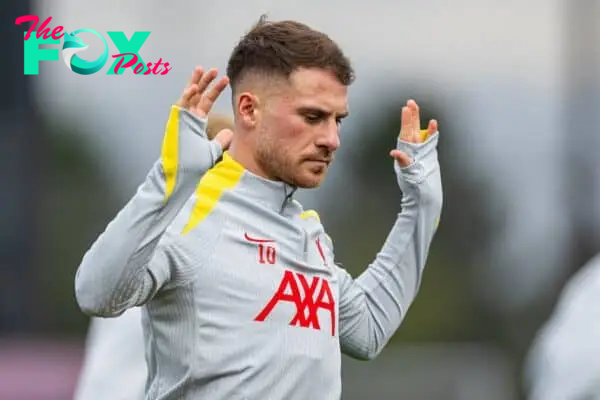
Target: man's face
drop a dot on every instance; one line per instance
(299, 127)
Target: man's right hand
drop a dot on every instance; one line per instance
(199, 99)
(188, 151)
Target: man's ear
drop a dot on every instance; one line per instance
(216, 123)
(248, 109)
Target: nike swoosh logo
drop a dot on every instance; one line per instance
(256, 240)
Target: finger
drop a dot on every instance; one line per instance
(209, 98)
(188, 93)
(415, 119)
(406, 126)
(432, 127)
(403, 159)
(196, 75)
(224, 137)
(194, 100)
(206, 79)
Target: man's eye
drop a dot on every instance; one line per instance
(338, 121)
(312, 118)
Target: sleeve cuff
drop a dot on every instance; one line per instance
(196, 124)
(424, 157)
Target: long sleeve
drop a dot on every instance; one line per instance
(115, 274)
(372, 306)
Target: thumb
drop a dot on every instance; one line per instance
(403, 159)
(224, 138)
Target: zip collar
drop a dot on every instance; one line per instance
(276, 195)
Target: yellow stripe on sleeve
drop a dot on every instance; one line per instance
(170, 152)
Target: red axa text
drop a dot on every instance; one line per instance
(309, 296)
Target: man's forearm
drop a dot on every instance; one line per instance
(113, 274)
(380, 297)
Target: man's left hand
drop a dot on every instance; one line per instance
(411, 132)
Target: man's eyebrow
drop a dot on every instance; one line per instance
(314, 109)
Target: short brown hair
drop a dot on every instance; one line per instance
(280, 48)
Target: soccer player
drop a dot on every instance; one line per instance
(114, 365)
(242, 296)
(564, 360)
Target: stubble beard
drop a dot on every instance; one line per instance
(279, 166)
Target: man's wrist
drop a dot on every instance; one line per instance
(192, 121)
(424, 157)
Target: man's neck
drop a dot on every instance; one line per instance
(275, 195)
(239, 151)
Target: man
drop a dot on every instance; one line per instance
(242, 297)
(564, 361)
(114, 365)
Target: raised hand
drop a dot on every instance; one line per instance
(411, 132)
(198, 98)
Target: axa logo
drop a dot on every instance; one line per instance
(308, 297)
(73, 44)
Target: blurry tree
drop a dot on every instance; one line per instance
(445, 309)
(78, 201)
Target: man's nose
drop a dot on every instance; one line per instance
(330, 137)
